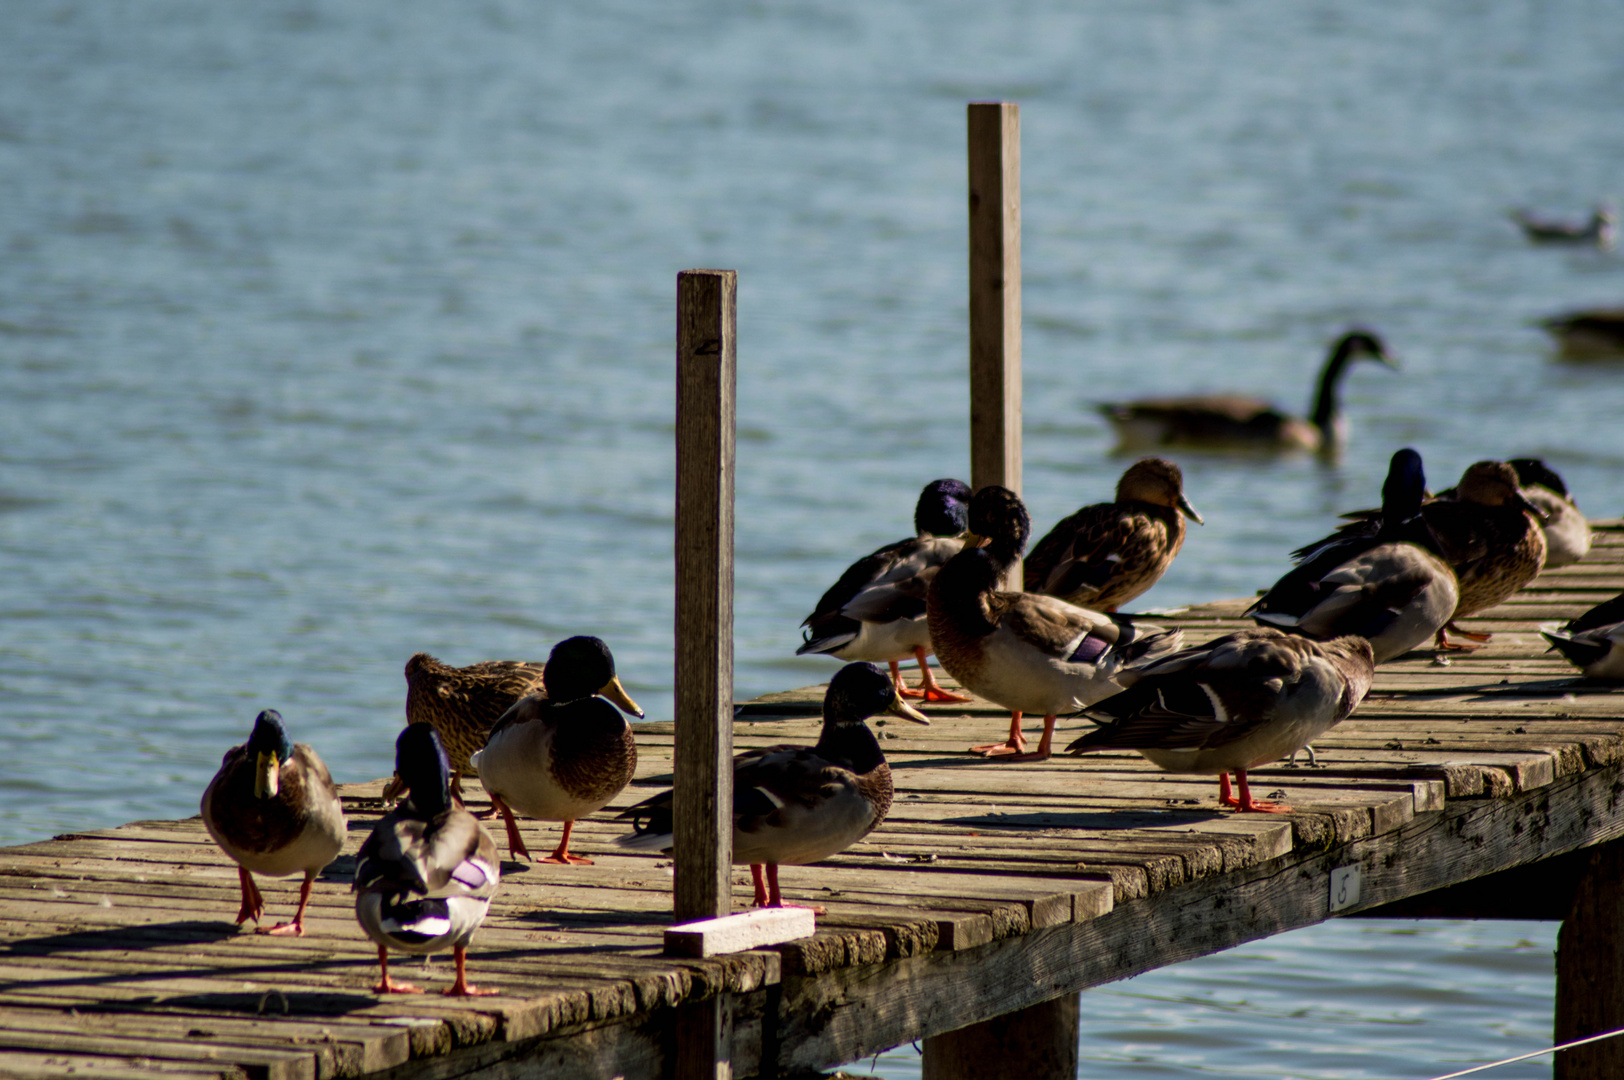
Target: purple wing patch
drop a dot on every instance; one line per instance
(470, 875)
(1091, 649)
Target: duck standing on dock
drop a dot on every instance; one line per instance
(1234, 421)
(794, 805)
(1489, 533)
(1392, 588)
(273, 808)
(462, 704)
(1235, 703)
(562, 755)
(1109, 553)
(1594, 642)
(1026, 652)
(876, 611)
(425, 877)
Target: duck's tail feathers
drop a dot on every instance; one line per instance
(653, 824)
(830, 635)
(1579, 652)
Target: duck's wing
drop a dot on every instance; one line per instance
(1607, 613)
(1053, 627)
(1086, 551)
(884, 587)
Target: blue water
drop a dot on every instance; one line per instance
(330, 332)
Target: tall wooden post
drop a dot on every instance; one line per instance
(1590, 970)
(1036, 1043)
(995, 298)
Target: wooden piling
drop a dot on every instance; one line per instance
(703, 685)
(1590, 970)
(1035, 1043)
(994, 137)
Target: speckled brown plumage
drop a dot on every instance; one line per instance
(258, 826)
(595, 760)
(463, 703)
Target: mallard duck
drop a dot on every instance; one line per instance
(1235, 703)
(462, 704)
(1567, 532)
(1392, 588)
(876, 611)
(1601, 229)
(1597, 334)
(1594, 642)
(794, 805)
(1233, 420)
(425, 877)
(1106, 554)
(562, 755)
(1026, 652)
(273, 808)
(1488, 533)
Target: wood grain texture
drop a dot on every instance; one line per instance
(1038, 1042)
(1590, 970)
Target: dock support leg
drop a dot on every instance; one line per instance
(1590, 970)
(705, 1040)
(1035, 1043)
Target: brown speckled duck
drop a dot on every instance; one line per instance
(1026, 652)
(1235, 703)
(273, 808)
(565, 754)
(1106, 554)
(794, 805)
(1235, 421)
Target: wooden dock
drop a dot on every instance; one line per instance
(992, 887)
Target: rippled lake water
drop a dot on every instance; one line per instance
(330, 332)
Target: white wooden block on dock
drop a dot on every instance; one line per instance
(739, 933)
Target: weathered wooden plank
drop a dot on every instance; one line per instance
(738, 933)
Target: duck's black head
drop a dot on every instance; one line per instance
(859, 691)
(1405, 487)
(581, 666)
(943, 508)
(1531, 471)
(269, 747)
(421, 764)
(998, 514)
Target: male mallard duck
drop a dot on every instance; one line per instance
(562, 755)
(1601, 229)
(462, 704)
(794, 805)
(1236, 421)
(1567, 532)
(1597, 334)
(1106, 554)
(425, 877)
(1594, 642)
(1235, 703)
(1392, 588)
(876, 611)
(273, 808)
(1028, 653)
(1488, 533)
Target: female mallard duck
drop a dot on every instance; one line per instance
(1026, 652)
(1106, 554)
(876, 611)
(462, 704)
(273, 808)
(794, 805)
(1236, 421)
(1567, 532)
(1488, 533)
(1601, 229)
(1392, 588)
(1596, 334)
(1235, 703)
(1594, 642)
(562, 755)
(425, 877)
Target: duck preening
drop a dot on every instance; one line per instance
(1600, 229)
(1109, 553)
(425, 877)
(564, 754)
(1233, 704)
(1391, 587)
(1235, 421)
(794, 805)
(1594, 642)
(876, 611)
(1026, 652)
(273, 808)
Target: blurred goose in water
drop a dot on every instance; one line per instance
(876, 611)
(1235, 703)
(1234, 421)
(1601, 229)
(1595, 334)
(1107, 554)
(1594, 642)
(1026, 652)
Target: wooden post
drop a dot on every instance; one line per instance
(1590, 970)
(1036, 1043)
(995, 298)
(703, 687)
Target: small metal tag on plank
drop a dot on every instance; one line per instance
(1344, 887)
